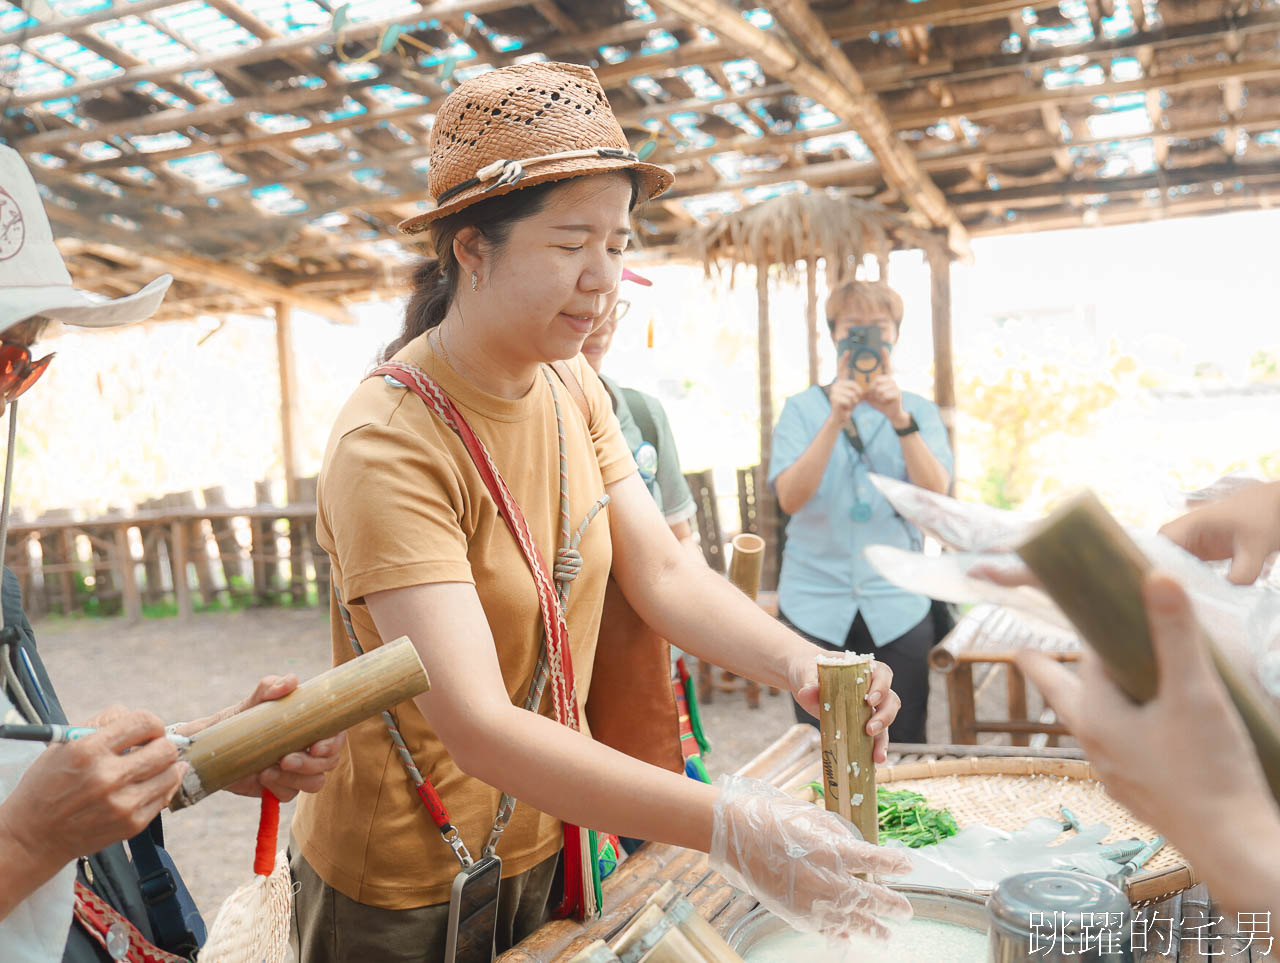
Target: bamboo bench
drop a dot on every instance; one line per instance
(986, 638)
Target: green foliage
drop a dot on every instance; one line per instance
(1027, 403)
(905, 816)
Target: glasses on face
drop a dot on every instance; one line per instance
(17, 371)
(620, 310)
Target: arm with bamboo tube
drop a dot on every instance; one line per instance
(751, 831)
(1171, 728)
(697, 610)
(79, 797)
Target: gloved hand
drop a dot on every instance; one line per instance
(799, 861)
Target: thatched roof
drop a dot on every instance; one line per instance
(790, 229)
(264, 149)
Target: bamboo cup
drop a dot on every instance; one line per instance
(746, 563)
(710, 945)
(1094, 572)
(848, 771)
(596, 952)
(333, 701)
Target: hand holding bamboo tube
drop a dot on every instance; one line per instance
(1094, 572)
(333, 701)
(848, 767)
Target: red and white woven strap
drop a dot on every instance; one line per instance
(560, 661)
(101, 920)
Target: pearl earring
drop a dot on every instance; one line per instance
(475, 282)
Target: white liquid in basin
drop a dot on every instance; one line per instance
(917, 941)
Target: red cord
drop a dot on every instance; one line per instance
(264, 855)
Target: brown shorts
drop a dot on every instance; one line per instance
(331, 928)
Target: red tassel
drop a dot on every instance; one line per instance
(264, 855)
(573, 906)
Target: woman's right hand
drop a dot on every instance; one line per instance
(801, 861)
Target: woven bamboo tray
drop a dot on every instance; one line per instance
(1006, 793)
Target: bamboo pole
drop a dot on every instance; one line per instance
(1094, 572)
(848, 769)
(811, 315)
(333, 701)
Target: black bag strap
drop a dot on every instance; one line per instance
(160, 891)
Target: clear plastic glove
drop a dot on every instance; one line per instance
(800, 861)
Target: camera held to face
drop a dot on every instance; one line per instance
(866, 347)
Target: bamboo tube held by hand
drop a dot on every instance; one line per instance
(848, 770)
(1094, 572)
(332, 702)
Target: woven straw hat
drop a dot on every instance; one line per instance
(524, 125)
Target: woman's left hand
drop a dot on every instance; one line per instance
(298, 771)
(880, 696)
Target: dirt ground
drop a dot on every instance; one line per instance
(184, 670)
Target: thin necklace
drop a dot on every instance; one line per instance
(444, 353)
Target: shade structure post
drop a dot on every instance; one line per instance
(288, 404)
(811, 315)
(944, 379)
(765, 511)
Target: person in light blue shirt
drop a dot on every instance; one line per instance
(827, 443)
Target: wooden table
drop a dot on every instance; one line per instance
(1173, 934)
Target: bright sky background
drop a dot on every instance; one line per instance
(123, 416)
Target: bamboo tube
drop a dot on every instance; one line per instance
(1094, 572)
(848, 770)
(335, 700)
(642, 924)
(654, 937)
(596, 952)
(746, 563)
(710, 945)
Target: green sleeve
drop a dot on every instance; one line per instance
(677, 499)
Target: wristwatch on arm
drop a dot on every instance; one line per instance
(911, 427)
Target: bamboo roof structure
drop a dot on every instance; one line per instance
(263, 150)
(789, 230)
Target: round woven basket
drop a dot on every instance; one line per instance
(1006, 793)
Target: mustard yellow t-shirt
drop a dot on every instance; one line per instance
(400, 504)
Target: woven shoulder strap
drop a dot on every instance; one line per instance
(559, 660)
(566, 375)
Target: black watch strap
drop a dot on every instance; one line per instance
(912, 426)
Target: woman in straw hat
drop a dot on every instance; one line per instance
(452, 473)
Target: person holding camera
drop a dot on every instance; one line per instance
(828, 441)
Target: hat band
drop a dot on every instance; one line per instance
(503, 172)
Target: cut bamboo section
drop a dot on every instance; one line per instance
(596, 952)
(848, 769)
(332, 702)
(746, 564)
(711, 946)
(1094, 572)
